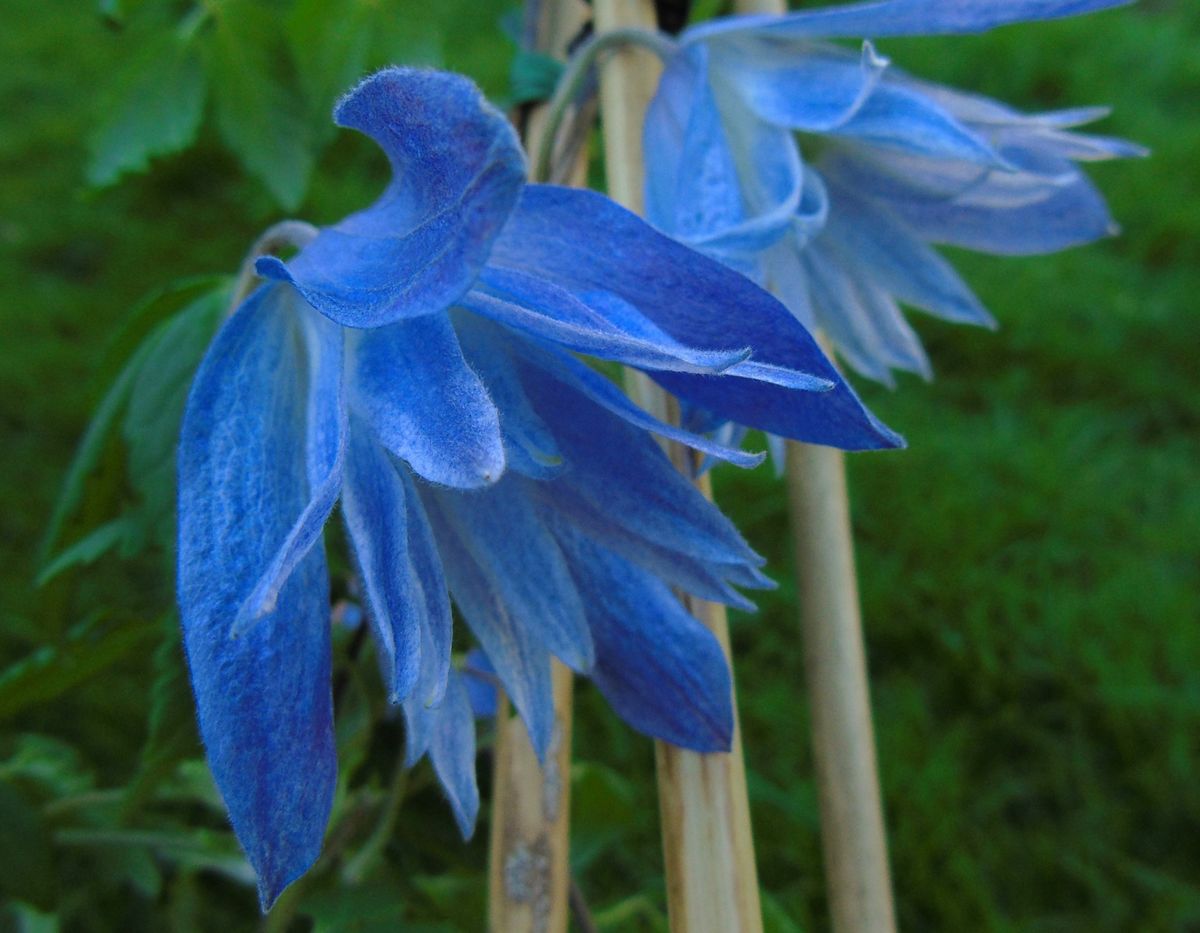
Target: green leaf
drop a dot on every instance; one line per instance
(153, 108)
(91, 448)
(152, 309)
(172, 735)
(26, 864)
(48, 764)
(87, 549)
(330, 40)
(52, 670)
(366, 908)
(194, 849)
(259, 115)
(155, 410)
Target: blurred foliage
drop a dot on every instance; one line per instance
(1030, 568)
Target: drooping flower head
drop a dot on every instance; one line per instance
(828, 176)
(417, 361)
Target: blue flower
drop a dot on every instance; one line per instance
(417, 362)
(840, 220)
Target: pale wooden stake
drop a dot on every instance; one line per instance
(708, 845)
(852, 832)
(529, 849)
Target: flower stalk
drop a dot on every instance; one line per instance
(708, 844)
(529, 877)
(852, 831)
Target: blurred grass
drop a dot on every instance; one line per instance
(1029, 567)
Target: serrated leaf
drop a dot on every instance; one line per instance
(259, 114)
(52, 670)
(26, 863)
(154, 107)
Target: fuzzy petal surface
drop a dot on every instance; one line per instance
(263, 699)
(458, 170)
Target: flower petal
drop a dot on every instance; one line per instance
(585, 323)
(815, 88)
(522, 564)
(878, 243)
(693, 189)
(325, 444)
(413, 387)
(662, 671)
(583, 242)
(263, 699)
(898, 18)
(621, 472)
(606, 394)
(529, 445)
(376, 515)
(458, 170)
(447, 732)
(521, 661)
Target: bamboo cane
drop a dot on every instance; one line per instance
(708, 844)
(528, 865)
(852, 830)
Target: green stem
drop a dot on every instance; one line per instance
(295, 234)
(576, 72)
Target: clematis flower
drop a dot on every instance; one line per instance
(418, 362)
(829, 176)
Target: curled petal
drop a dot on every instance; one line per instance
(458, 170)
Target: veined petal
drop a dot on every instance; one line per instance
(694, 189)
(621, 471)
(458, 170)
(897, 18)
(583, 242)
(891, 254)
(376, 514)
(529, 445)
(603, 392)
(324, 446)
(522, 564)
(436, 621)
(662, 671)
(410, 383)
(263, 699)
(815, 87)
(447, 732)
(1072, 215)
(896, 118)
(592, 322)
(522, 663)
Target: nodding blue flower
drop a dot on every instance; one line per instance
(828, 176)
(417, 361)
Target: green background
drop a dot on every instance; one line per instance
(1030, 566)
